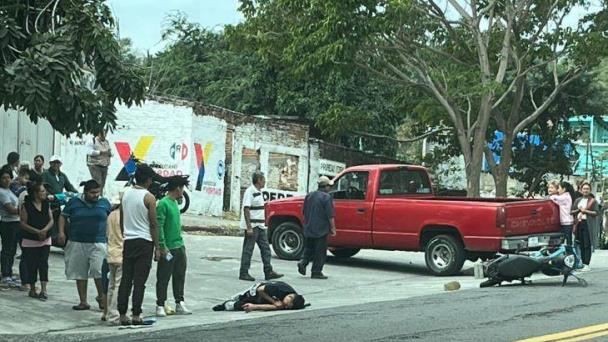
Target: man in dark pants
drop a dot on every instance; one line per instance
(139, 224)
(252, 222)
(174, 264)
(318, 224)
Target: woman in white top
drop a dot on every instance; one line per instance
(586, 232)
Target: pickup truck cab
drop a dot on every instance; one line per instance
(393, 207)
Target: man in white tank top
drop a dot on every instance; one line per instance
(140, 230)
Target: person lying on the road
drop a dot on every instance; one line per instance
(264, 296)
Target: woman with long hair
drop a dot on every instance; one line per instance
(36, 223)
(586, 231)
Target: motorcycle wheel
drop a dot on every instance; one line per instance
(489, 283)
(185, 203)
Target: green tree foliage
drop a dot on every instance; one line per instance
(479, 61)
(61, 61)
(226, 69)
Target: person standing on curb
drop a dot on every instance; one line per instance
(140, 229)
(99, 155)
(173, 265)
(56, 182)
(36, 222)
(318, 224)
(253, 223)
(9, 225)
(114, 263)
(586, 229)
(85, 248)
(19, 188)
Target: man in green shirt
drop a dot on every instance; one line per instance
(173, 263)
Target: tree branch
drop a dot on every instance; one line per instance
(538, 111)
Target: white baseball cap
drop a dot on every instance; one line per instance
(55, 158)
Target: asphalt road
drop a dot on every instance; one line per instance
(506, 313)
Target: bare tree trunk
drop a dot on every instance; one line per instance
(501, 171)
(473, 171)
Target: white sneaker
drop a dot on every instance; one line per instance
(160, 311)
(585, 268)
(181, 309)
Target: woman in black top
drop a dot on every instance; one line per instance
(36, 222)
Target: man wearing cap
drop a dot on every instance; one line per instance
(318, 224)
(56, 182)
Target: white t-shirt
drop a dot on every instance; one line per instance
(254, 199)
(7, 197)
(582, 205)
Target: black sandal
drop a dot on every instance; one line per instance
(33, 294)
(80, 307)
(43, 297)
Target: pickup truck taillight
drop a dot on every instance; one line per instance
(501, 218)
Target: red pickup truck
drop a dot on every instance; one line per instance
(393, 207)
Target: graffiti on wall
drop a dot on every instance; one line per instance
(178, 151)
(271, 195)
(208, 185)
(283, 171)
(202, 156)
(141, 151)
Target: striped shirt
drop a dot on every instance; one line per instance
(254, 200)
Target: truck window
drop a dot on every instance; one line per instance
(351, 186)
(404, 182)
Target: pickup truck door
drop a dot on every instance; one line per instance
(353, 206)
(399, 208)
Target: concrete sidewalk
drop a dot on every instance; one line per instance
(371, 276)
(228, 225)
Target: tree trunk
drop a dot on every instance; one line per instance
(473, 171)
(501, 172)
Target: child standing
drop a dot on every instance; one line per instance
(558, 193)
(114, 261)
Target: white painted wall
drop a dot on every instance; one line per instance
(162, 134)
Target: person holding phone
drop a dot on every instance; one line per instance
(173, 264)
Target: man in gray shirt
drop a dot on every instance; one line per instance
(318, 224)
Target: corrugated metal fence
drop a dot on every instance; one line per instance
(18, 133)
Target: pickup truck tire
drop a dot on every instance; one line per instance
(444, 255)
(344, 252)
(288, 241)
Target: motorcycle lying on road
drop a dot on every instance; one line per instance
(554, 261)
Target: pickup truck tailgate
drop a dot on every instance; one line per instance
(531, 217)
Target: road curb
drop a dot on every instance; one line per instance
(219, 231)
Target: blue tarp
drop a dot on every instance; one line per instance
(522, 139)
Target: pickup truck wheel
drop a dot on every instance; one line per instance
(444, 255)
(344, 252)
(288, 241)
